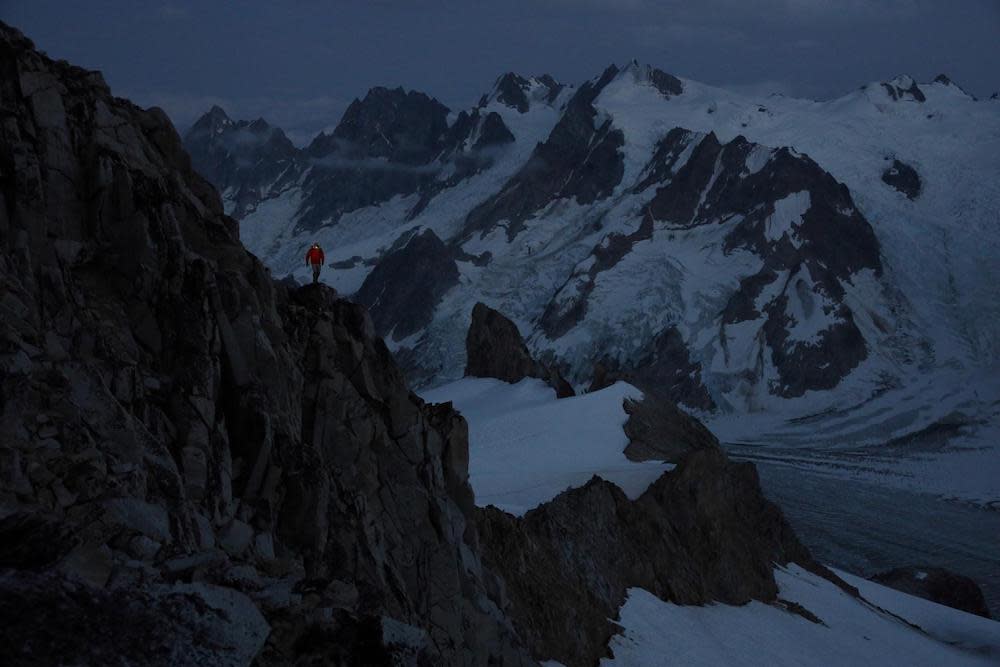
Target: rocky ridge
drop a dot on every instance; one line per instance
(702, 532)
(238, 469)
(937, 585)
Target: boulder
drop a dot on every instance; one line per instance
(903, 178)
(494, 348)
(658, 430)
(937, 585)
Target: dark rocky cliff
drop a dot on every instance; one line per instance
(225, 468)
(201, 466)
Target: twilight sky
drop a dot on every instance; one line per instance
(299, 63)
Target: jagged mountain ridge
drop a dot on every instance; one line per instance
(391, 142)
(607, 248)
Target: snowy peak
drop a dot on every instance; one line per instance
(216, 131)
(215, 120)
(394, 124)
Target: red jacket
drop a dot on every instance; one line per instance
(315, 256)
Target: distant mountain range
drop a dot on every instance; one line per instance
(746, 255)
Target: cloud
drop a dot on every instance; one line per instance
(300, 118)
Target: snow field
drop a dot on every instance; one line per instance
(852, 632)
(526, 447)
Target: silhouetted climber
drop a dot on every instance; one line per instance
(315, 259)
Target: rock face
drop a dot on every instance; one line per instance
(775, 204)
(510, 89)
(579, 160)
(703, 532)
(937, 585)
(494, 348)
(396, 125)
(403, 289)
(904, 88)
(904, 178)
(787, 213)
(515, 91)
(658, 430)
(383, 147)
(232, 468)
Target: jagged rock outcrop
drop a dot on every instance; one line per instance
(513, 90)
(937, 585)
(701, 533)
(510, 90)
(230, 467)
(904, 88)
(406, 285)
(658, 430)
(494, 348)
(476, 131)
(903, 178)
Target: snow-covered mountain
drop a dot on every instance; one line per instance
(829, 263)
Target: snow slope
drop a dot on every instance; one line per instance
(526, 447)
(851, 632)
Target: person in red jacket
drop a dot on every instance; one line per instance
(315, 259)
